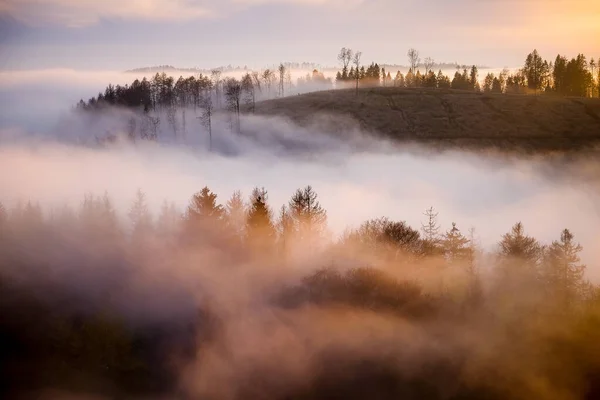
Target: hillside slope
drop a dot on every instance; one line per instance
(455, 118)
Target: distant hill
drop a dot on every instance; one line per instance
(162, 68)
(228, 68)
(452, 118)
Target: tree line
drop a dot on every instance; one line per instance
(71, 305)
(204, 94)
(574, 77)
(252, 227)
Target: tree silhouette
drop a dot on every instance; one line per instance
(413, 59)
(455, 245)
(140, 217)
(204, 216)
(563, 271)
(308, 219)
(536, 71)
(431, 233)
(260, 231)
(233, 95)
(356, 61)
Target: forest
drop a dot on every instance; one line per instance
(238, 298)
(574, 77)
(160, 103)
(564, 77)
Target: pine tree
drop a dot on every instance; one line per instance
(260, 232)
(309, 219)
(410, 79)
(236, 214)
(563, 271)
(520, 254)
(141, 220)
(474, 296)
(455, 245)
(203, 213)
(443, 82)
(536, 71)
(418, 80)
(488, 83)
(430, 229)
(169, 220)
(285, 228)
(399, 80)
(496, 86)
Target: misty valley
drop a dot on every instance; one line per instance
(369, 231)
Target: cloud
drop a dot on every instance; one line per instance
(89, 12)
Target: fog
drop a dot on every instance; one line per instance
(49, 154)
(357, 177)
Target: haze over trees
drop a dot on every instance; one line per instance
(383, 271)
(575, 77)
(163, 104)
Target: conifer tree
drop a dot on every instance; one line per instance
(285, 227)
(140, 218)
(563, 271)
(519, 255)
(260, 232)
(168, 220)
(443, 82)
(455, 245)
(203, 212)
(236, 214)
(431, 229)
(308, 218)
(474, 78)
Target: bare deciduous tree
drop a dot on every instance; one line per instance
(233, 96)
(356, 61)
(429, 63)
(345, 57)
(145, 127)
(288, 79)
(131, 126)
(215, 76)
(267, 77)
(256, 80)
(413, 59)
(155, 123)
(248, 89)
(207, 106)
(172, 119)
(183, 124)
(282, 70)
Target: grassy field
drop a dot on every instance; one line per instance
(452, 118)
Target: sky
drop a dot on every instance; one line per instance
(115, 34)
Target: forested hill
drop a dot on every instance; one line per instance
(442, 117)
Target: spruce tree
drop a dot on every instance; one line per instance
(260, 232)
(455, 245)
(140, 218)
(308, 218)
(204, 216)
(519, 255)
(563, 271)
(430, 229)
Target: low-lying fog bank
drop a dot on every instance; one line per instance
(357, 177)
(121, 294)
